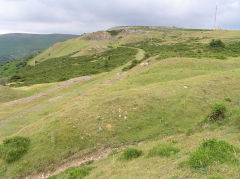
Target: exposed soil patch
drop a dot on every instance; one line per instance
(98, 36)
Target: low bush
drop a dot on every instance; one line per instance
(218, 112)
(79, 173)
(164, 150)
(14, 148)
(130, 154)
(228, 99)
(216, 43)
(211, 151)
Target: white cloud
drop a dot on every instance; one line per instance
(79, 16)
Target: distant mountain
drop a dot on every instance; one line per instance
(17, 45)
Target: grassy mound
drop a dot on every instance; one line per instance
(211, 151)
(14, 148)
(165, 150)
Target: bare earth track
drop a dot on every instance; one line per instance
(59, 87)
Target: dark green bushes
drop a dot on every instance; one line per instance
(215, 49)
(130, 154)
(164, 150)
(211, 151)
(14, 148)
(114, 32)
(216, 43)
(64, 68)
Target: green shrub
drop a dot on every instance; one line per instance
(165, 150)
(130, 154)
(14, 148)
(216, 43)
(218, 112)
(211, 151)
(228, 99)
(215, 177)
(79, 173)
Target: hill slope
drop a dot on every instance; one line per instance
(16, 46)
(162, 98)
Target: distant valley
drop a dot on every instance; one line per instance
(18, 45)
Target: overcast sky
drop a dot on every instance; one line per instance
(79, 16)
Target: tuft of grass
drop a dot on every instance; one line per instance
(182, 164)
(163, 150)
(79, 173)
(14, 148)
(130, 154)
(228, 99)
(211, 151)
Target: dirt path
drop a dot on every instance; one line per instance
(94, 156)
(59, 87)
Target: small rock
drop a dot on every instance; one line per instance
(109, 126)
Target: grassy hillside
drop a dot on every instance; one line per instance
(16, 46)
(163, 102)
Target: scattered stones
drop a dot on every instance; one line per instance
(144, 64)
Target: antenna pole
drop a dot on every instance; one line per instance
(215, 18)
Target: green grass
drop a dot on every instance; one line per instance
(73, 173)
(211, 151)
(215, 177)
(163, 150)
(147, 105)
